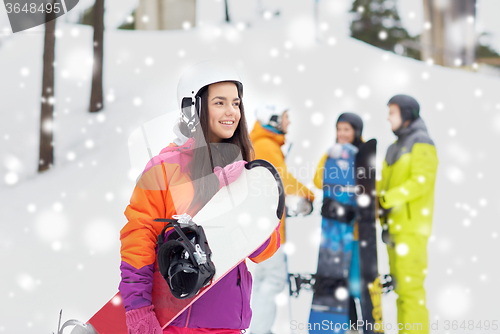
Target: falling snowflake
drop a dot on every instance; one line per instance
(117, 300)
(402, 249)
(56, 246)
(274, 52)
(137, 101)
(51, 226)
(455, 174)
(89, 143)
(317, 118)
(31, 208)
(289, 248)
(281, 299)
(25, 71)
(11, 178)
(453, 301)
(26, 282)
(263, 223)
(57, 207)
(364, 92)
(363, 200)
(71, 156)
(341, 293)
(100, 235)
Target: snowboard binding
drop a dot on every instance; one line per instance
(388, 283)
(332, 209)
(298, 282)
(184, 257)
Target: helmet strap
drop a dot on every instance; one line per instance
(275, 122)
(190, 112)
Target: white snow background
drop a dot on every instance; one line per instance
(59, 231)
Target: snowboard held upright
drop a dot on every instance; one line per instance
(347, 287)
(371, 286)
(237, 221)
(330, 304)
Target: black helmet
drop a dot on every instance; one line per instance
(356, 123)
(184, 258)
(409, 107)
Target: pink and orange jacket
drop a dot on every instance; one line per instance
(164, 190)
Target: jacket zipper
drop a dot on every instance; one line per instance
(408, 210)
(188, 316)
(238, 282)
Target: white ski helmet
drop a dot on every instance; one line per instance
(270, 114)
(193, 80)
(203, 74)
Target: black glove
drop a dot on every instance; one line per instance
(382, 213)
(386, 238)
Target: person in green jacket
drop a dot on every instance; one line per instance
(406, 196)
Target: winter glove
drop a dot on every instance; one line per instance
(229, 173)
(382, 213)
(335, 151)
(386, 238)
(143, 321)
(298, 206)
(342, 151)
(304, 207)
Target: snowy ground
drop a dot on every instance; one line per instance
(59, 232)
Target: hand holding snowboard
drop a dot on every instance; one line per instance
(240, 210)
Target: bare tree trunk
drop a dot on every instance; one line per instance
(165, 14)
(461, 18)
(46, 151)
(452, 35)
(227, 12)
(161, 13)
(96, 99)
(433, 37)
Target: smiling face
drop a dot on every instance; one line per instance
(345, 133)
(223, 110)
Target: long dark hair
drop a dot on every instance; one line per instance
(207, 156)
